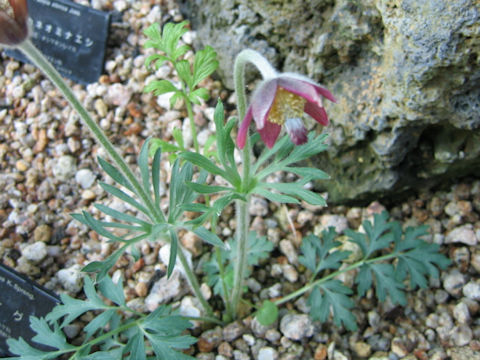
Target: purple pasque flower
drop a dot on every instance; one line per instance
(282, 100)
(13, 22)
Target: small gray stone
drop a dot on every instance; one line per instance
(290, 273)
(258, 206)
(267, 353)
(454, 282)
(461, 335)
(164, 290)
(233, 331)
(35, 252)
(464, 234)
(71, 278)
(240, 355)
(287, 249)
(296, 327)
(472, 290)
(64, 168)
(461, 312)
(85, 178)
(272, 335)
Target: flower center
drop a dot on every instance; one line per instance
(285, 106)
(7, 8)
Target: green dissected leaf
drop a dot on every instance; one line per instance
(102, 267)
(377, 236)
(178, 136)
(98, 323)
(155, 37)
(171, 36)
(96, 225)
(272, 196)
(122, 216)
(208, 237)
(112, 291)
(268, 153)
(26, 352)
(204, 65)
(314, 145)
(164, 331)
(124, 197)
(160, 87)
(318, 252)
(203, 162)
(267, 314)
(364, 279)
(157, 157)
(136, 346)
(45, 335)
(200, 93)
(143, 165)
(416, 257)
(104, 355)
(165, 146)
(332, 296)
(175, 98)
(184, 72)
(310, 173)
(115, 174)
(258, 248)
(296, 190)
(385, 284)
(207, 189)
(173, 253)
(157, 59)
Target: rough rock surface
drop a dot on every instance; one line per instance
(406, 73)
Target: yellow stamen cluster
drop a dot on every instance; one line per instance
(286, 105)
(7, 8)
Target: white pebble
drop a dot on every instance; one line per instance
(35, 252)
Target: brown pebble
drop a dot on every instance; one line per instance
(133, 129)
(134, 110)
(42, 233)
(141, 289)
(138, 265)
(42, 141)
(204, 345)
(320, 352)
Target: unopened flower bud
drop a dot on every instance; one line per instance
(13, 22)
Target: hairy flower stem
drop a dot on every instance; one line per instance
(42, 63)
(311, 284)
(193, 127)
(243, 220)
(192, 280)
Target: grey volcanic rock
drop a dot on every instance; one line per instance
(406, 73)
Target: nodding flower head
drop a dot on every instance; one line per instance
(281, 101)
(13, 22)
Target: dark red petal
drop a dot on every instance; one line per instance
(269, 133)
(296, 130)
(243, 130)
(317, 112)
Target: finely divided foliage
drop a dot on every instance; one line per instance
(389, 259)
(108, 335)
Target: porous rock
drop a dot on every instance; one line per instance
(406, 74)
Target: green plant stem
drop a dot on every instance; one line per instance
(192, 280)
(193, 127)
(42, 63)
(334, 274)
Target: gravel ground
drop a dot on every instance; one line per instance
(48, 170)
